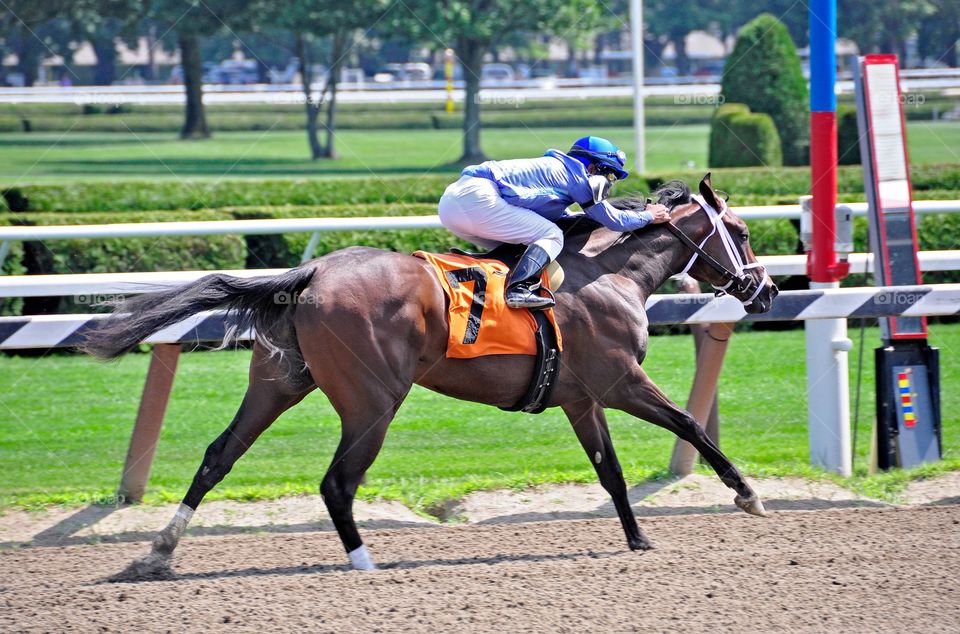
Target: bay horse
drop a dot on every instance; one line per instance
(363, 325)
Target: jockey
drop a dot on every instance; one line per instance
(518, 201)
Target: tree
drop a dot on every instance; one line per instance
(882, 27)
(337, 21)
(28, 30)
(471, 27)
(940, 32)
(763, 72)
(101, 22)
(663, 20)
(191, 20)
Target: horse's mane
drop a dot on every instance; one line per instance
(671, 194)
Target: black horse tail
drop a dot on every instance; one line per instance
(266, 303)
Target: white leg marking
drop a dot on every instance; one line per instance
(597, 458)
(360, 559)
(178, 525)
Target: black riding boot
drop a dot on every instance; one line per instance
(524, 280)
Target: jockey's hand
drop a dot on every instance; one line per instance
(659, 212)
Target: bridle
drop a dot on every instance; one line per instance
(737, 281)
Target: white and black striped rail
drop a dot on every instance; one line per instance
(59, 331)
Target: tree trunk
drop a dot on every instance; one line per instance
(106, 69)
(683, 62)
(195, 121)
(150, 71)
(312, 105)
(471, 58)
(599, 43)
(572, 67)
(337, 52)
(652, 61)
(29, 54)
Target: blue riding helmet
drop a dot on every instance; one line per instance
(600, 152)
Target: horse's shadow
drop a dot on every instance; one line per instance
(64, 532)
(492, 560)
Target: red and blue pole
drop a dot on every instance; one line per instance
(822, 263)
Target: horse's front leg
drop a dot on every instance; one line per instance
(639, 396)
(590, 425)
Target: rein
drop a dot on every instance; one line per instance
(736, 281)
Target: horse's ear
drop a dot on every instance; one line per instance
(706, 190)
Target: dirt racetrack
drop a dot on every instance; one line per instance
(891, 569)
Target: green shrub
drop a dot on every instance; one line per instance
(574, 115)
(764, 73)
(848, 136)
(10, 123)
(12, 265)
(760, 186)
(585, 115)
(113, 255)
(740, 138)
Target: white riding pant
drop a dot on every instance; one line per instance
(473, 209)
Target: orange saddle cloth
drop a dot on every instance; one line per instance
(480, 322)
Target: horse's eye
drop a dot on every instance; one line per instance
(744, 235)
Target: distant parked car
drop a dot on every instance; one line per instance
(409, 71)
(291, 74)
(228, 72)
(497, 72)
(237, 72)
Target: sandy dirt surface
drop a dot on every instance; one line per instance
(543, 559)
(855, 569)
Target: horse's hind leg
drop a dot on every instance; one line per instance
(363, 429)
(268, 395)
(589, 423)
(640, 396)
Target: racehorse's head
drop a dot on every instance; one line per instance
(718, 244)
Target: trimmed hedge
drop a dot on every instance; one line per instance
(118, 255)
(160, 195)
(763, 72)
(740, 138)
(759, 186)
(12, 265)
(582, 116)
(287, 249)
(574, 116)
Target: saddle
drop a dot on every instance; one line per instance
(481, 324)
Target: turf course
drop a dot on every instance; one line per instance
(82, 156)
(65, 421)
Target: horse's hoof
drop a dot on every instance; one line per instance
(360, 559)
(639, 544)
(751, 505)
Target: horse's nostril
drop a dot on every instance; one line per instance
(774, 291)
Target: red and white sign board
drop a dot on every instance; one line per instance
(886, 165)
